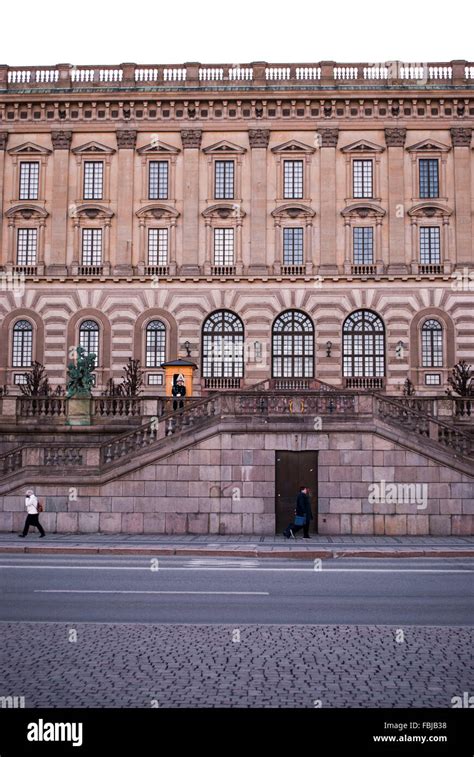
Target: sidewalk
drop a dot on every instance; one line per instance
(210, 545)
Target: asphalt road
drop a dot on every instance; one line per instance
(236, 590)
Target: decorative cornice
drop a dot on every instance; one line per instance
(362, 145)
(395, 137)
(93, 147)
(126, 139)
(293, 146)
(3, 140)
(191, 138)
(259, 137)
(429, 145)
(328, 137)
(29, 148)
(461, 137)
(224, 146)
(61, 140)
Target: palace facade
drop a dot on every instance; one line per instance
(301, 233)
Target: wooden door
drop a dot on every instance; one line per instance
(292, 470)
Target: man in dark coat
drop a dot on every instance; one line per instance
(179, 390)
(303, 510)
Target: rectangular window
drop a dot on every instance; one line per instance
(158, 180)
(363, 245)
(224, 180)
(157, 246)
(429, 177)
(93, 180)
(293, 179)
(430, 250)
(223, 246)
(362, 172)
(29, 181)
(92, 247)
(155, 379)
(26, 253)
(22, 348)
(433, 379)
(293, 246)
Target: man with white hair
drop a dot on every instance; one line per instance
(32, 516)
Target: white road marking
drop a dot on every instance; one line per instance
(260, 569)
(121, 591)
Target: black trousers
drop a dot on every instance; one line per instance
(294, 528)
(33, 520)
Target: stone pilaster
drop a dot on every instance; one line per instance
(126, 142)
(57, 263)
(191, 140)
(328, 210)
(461, 139)
(3, 147)
(259, 139)
(395, 141)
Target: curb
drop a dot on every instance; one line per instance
(297, 554)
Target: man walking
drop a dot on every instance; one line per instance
(303, 517)
(32, 517)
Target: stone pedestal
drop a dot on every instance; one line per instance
(79, 411)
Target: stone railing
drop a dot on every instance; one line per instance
(11, 461)
(444, 407)
(246, 75)
(41, 407)
(112, 407)
(157, 429)
(288, 404)
(314, 409)
(402, 415)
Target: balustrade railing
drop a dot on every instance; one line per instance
(11, 461)
(62, 456)
(404, 416)
(130, 75)
(112, 407)
(41, 407)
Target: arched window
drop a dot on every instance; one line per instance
(432, 344)
(363, 344)
(293, 346)
(22, 352)
(89, 338)
(155, 344)
(223, 346)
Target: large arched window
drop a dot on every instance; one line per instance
(89, 338)
(155, 344)
(293, 346)
(22, 352)
(363, 345)
(432, 344)
(223, 346)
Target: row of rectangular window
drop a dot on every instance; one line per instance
(224, 179)
(224, 246)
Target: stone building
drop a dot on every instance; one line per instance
(301, 233)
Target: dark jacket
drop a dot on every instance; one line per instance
(303, 506)
(178, 391)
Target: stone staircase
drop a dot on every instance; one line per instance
(322, 409)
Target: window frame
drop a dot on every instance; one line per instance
(21, 166)
(360, 353)
(220, 334)
(21, 349)
(281, 360)
(432, 351)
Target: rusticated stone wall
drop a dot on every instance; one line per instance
(191, 491)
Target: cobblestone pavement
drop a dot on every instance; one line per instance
(145, 665)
